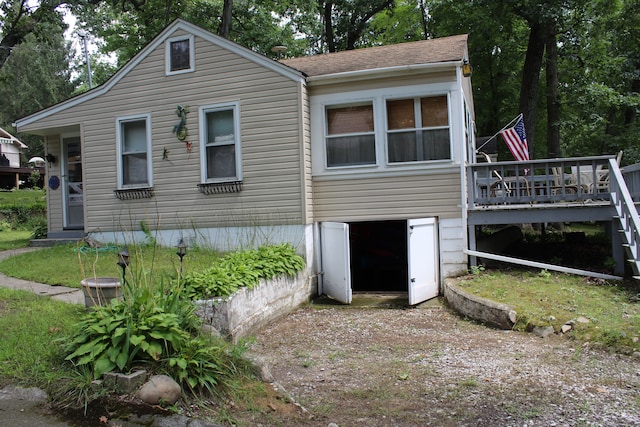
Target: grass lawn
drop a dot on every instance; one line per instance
(12, 239)
(609, 312)
(29, 327)
(67, 265)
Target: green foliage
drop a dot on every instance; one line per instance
(551, 299)
(155, 327)
(39, 228)
(23, 209)
(245, 268)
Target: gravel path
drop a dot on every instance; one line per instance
(427, 366)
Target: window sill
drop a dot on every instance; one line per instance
(220, 187)
(134, 193)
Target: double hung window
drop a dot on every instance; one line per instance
(418, 129)
(221, 143)
(350, 135)
(134, 147)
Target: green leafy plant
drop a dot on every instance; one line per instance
(143, 326)
(245, 268)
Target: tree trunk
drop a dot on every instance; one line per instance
(423, 19)
(553, 99)
(225, 25)
(328, 25)
(530, 82)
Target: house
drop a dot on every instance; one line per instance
(356, 158)
(11, 164)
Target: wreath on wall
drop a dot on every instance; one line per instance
(180, 130)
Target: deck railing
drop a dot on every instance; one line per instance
(575, 179)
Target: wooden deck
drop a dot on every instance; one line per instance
(551, 190)
(578, 189)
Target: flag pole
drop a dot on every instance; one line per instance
(498, 133)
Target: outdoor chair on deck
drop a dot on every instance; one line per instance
(506, 186)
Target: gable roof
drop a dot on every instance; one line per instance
(176, 25)
(433, 51)
(7, 138)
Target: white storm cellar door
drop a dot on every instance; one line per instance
(336, 261)
(423, 259)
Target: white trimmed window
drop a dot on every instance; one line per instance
(418, 129)
(179, 55)
(134, 151)
(220, 138)
(350, 138)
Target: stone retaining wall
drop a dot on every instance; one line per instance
(483, 310)
(248, 310)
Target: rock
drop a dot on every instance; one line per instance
(160, 389)
(583, 320)
(566, 328)
(332, 425)
(543, 331)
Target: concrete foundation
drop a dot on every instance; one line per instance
(248, 310)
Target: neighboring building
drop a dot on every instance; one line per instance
(11, 163)
(356, 158)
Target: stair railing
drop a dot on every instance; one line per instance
(627, 214)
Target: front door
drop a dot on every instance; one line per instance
(73, 187)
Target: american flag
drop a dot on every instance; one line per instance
(516, 139)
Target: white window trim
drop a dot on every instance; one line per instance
(235, 106)
(326, 134)
(379, 97)
(167, 55)
(119, 142)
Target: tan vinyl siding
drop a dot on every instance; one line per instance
(386, 198)
(54, 197)
(373, 84)
(306, 157)
(270, 130)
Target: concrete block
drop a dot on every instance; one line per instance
(124, 383)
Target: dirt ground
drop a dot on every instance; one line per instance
(396, 366)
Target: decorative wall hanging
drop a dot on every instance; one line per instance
(54, 182)
(180, 130)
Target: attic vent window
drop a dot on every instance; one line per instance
(179, 55)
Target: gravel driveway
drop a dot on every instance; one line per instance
(427, 366)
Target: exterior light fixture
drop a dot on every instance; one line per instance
(466, 68)
(182, 251)
(123, 261)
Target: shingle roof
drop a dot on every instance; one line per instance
(443, 49)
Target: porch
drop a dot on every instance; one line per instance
(578, 189)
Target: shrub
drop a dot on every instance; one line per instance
(245, 268)
(39, 228)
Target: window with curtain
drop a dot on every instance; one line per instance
(418, 129)
(134, 151)
(350, 138)
(221, 139)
